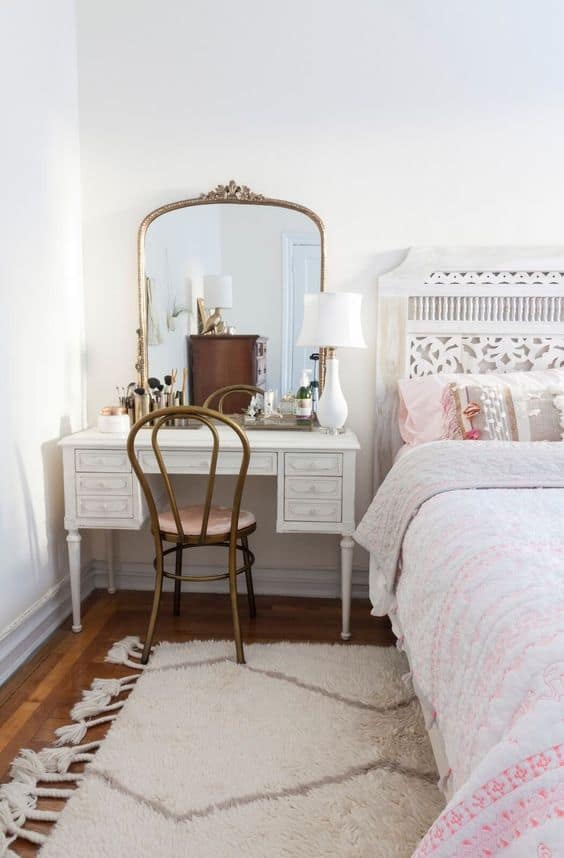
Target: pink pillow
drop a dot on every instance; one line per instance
(421, 417)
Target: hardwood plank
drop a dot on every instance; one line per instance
(41, 690)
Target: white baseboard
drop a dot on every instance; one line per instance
(280, 582)
(28, 631)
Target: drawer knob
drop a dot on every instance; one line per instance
(107, 507)
(310, 489)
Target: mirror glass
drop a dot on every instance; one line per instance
(254, 263)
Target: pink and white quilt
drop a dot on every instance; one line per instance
(467, 544)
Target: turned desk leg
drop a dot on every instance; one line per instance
(73, 543)
(347, 546)
(110, 561)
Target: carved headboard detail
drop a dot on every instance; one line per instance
(478, 354)
(465, 310)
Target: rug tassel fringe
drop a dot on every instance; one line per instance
(73, 734)
(94, 706)
(14, 813)
(19, 797)
(11, 829)
(51, 764)
(5, 851)
(115, 686)
(124, 650)
(97, 698)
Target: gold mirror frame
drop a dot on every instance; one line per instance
(233, 194)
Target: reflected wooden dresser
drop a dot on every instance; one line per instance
(221, 359)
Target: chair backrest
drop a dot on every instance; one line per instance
(219, 396)
(209, 418)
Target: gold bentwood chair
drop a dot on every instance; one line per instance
(224, 392)
(193, 526)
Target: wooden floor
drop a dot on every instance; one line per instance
(38, 698)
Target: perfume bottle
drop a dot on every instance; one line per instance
(303, 406)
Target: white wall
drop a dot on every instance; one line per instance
(41, 323)
(399, 123)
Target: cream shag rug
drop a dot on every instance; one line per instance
(308, 750)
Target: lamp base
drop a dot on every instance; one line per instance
(332, 410)
(325, 431)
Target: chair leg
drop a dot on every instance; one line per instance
(155, 609)
(234, 606)
(177, 583)
(249, 577)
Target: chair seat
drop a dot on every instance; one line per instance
(191, 517)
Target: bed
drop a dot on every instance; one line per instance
(466, 545)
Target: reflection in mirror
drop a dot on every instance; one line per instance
(248, 268)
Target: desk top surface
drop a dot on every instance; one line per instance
(194, 439)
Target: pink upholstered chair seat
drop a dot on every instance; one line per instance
(191, 517)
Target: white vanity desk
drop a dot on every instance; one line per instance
(315, 475)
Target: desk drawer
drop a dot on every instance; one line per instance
(104, 507)
(312, 510)
(103, 484)
(322, 488)
(325, 464)
(102, 460)
(177, 461)
(195, 462)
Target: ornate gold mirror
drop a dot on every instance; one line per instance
(221, 285)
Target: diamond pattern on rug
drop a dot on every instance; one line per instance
(308, 750)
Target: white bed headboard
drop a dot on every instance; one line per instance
(478, 309)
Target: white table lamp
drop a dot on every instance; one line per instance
(332, 320)
(218, 293)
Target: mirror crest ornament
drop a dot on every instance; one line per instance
(232, 193)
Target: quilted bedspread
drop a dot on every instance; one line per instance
(478, 532)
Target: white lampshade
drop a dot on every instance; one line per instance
(218, 290)
(332, 319)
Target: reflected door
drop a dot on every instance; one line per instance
(301, 275)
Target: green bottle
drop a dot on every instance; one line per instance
(303, 408)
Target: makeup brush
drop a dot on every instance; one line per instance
(168, 390)
(184, 394)
(170, 381)
(153, 383)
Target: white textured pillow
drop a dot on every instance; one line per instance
(558, 401)
(513, 406)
